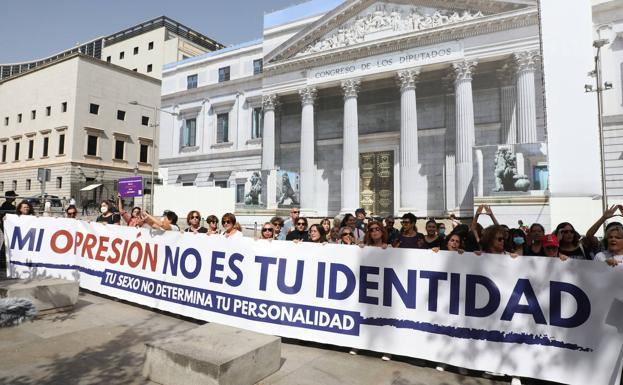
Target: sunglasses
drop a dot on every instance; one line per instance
(295, 212)
(373, 229)
(213, 221)
(300, 224)
(346, 234)
(71, 214)
(267, 229)
(389, 223)
(405, 222)
(499, 239)
(194, 217)
(226, 222)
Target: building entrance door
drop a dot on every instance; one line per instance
(376, 181)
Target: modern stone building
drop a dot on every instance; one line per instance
(432, 107)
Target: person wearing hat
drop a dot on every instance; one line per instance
(360, 222)
(7, 206)
(551, 247)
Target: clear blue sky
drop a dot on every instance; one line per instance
(32, 29)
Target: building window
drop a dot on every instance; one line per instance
(120, 115)
(222, 128)
(64, 107)
(31, 148)
(2, 186)
(144, 153)
(16, 151)
(48, 111)
(223, 74)
(149, 67)
(61, 144)
(191, 82)
(108, 59)
(189, 133)
(46, 145)
(258, 66)
(19, 118)
(256, 123)
(4, 149)
(94, 108)
(119, 146)
(136, 50)
(145, 120)
(6, 120)
(92, 145)
(59, 182)
(150, 46)
(28, 182)
(33, 114)
(220, 183)
(14, 185)
(135, 69)
(121, 55)
(240, 193)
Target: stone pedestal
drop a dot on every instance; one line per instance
(213, 354)
(45, 294)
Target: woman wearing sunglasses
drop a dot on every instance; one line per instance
(492, 240)
(376, 235)
(570, 241)
(228, 221)
(193, 219)
(268, 231)
(300, 230)
(345, 236)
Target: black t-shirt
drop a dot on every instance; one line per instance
(111, 219)
(436, 243)
(5, 208)
(527, 251)
(295, 234)
(202, 230)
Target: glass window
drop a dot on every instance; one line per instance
(64, 107)
(59, 182)
(92, 145)
(223, 74)
(1, 186)
(31, 148)
(189, 133)
(145, 120)
(46, 145)
(6, 120)
(4, 149)
(16, 151)
(14, 185)
(119, 145)
(121, 55)
(150, 46)
(94, 108)
(108, 59)
(222, 128)
(256, 123)
(136, 50)
(149, 67)
(240, 193)
(48, 110)
(191, 81)
(19, 118)
(61, 144)
(258, 66)
(28, 183)
(33, 114)
(120, 115)
(220, 183)
(144, 153)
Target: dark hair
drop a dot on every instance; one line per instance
(576, 236)
(135, 208)
(190, 214)
(327, 219)
(537, 225)
(302, 219)
(212, 218)
(320, 229)
(276, 221)
(71, 207)
(171, 216)
(368, 239)
(346, 218)
(488, 236)
(230, 217)
(431, 221)
(516, 233)
(31, 210)
(410, 216)
(453, 234)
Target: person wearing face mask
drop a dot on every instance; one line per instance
(517, 241)
(107, 215)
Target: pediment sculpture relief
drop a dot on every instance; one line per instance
(380, 21)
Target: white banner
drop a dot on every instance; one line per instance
(529, 317)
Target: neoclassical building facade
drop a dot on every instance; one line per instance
(400, 106)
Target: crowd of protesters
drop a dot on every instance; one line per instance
(562, 242)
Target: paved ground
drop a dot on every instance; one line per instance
(102, 342)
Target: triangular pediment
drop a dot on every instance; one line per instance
(355, 23)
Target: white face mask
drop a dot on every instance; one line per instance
(104, 209)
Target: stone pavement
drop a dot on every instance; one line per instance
(102, 342)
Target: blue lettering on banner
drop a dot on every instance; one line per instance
(281, 313)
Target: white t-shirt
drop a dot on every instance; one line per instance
(236, 234)
(605, 255)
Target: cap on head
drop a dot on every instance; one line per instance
(550, 240)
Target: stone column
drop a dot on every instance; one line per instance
(526, 101)
(449, 144)
(409, 165)
(307, 163)
(508, 99)
(465, 137)
(350, 150)
(269, 103)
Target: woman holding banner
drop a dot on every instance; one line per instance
(376, 235)
(24, 208)
(316, 234)
(228, 221)
(614, 240)
(193, 219)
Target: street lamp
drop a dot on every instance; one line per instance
(155, 126)
(606, 36)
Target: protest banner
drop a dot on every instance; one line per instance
(529, 316)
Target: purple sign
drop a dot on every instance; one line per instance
(131, 187)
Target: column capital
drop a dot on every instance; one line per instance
(526, 60)
(308, 95)
(407, 78)
(351, 88)
(463, 70)
(270, 102)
